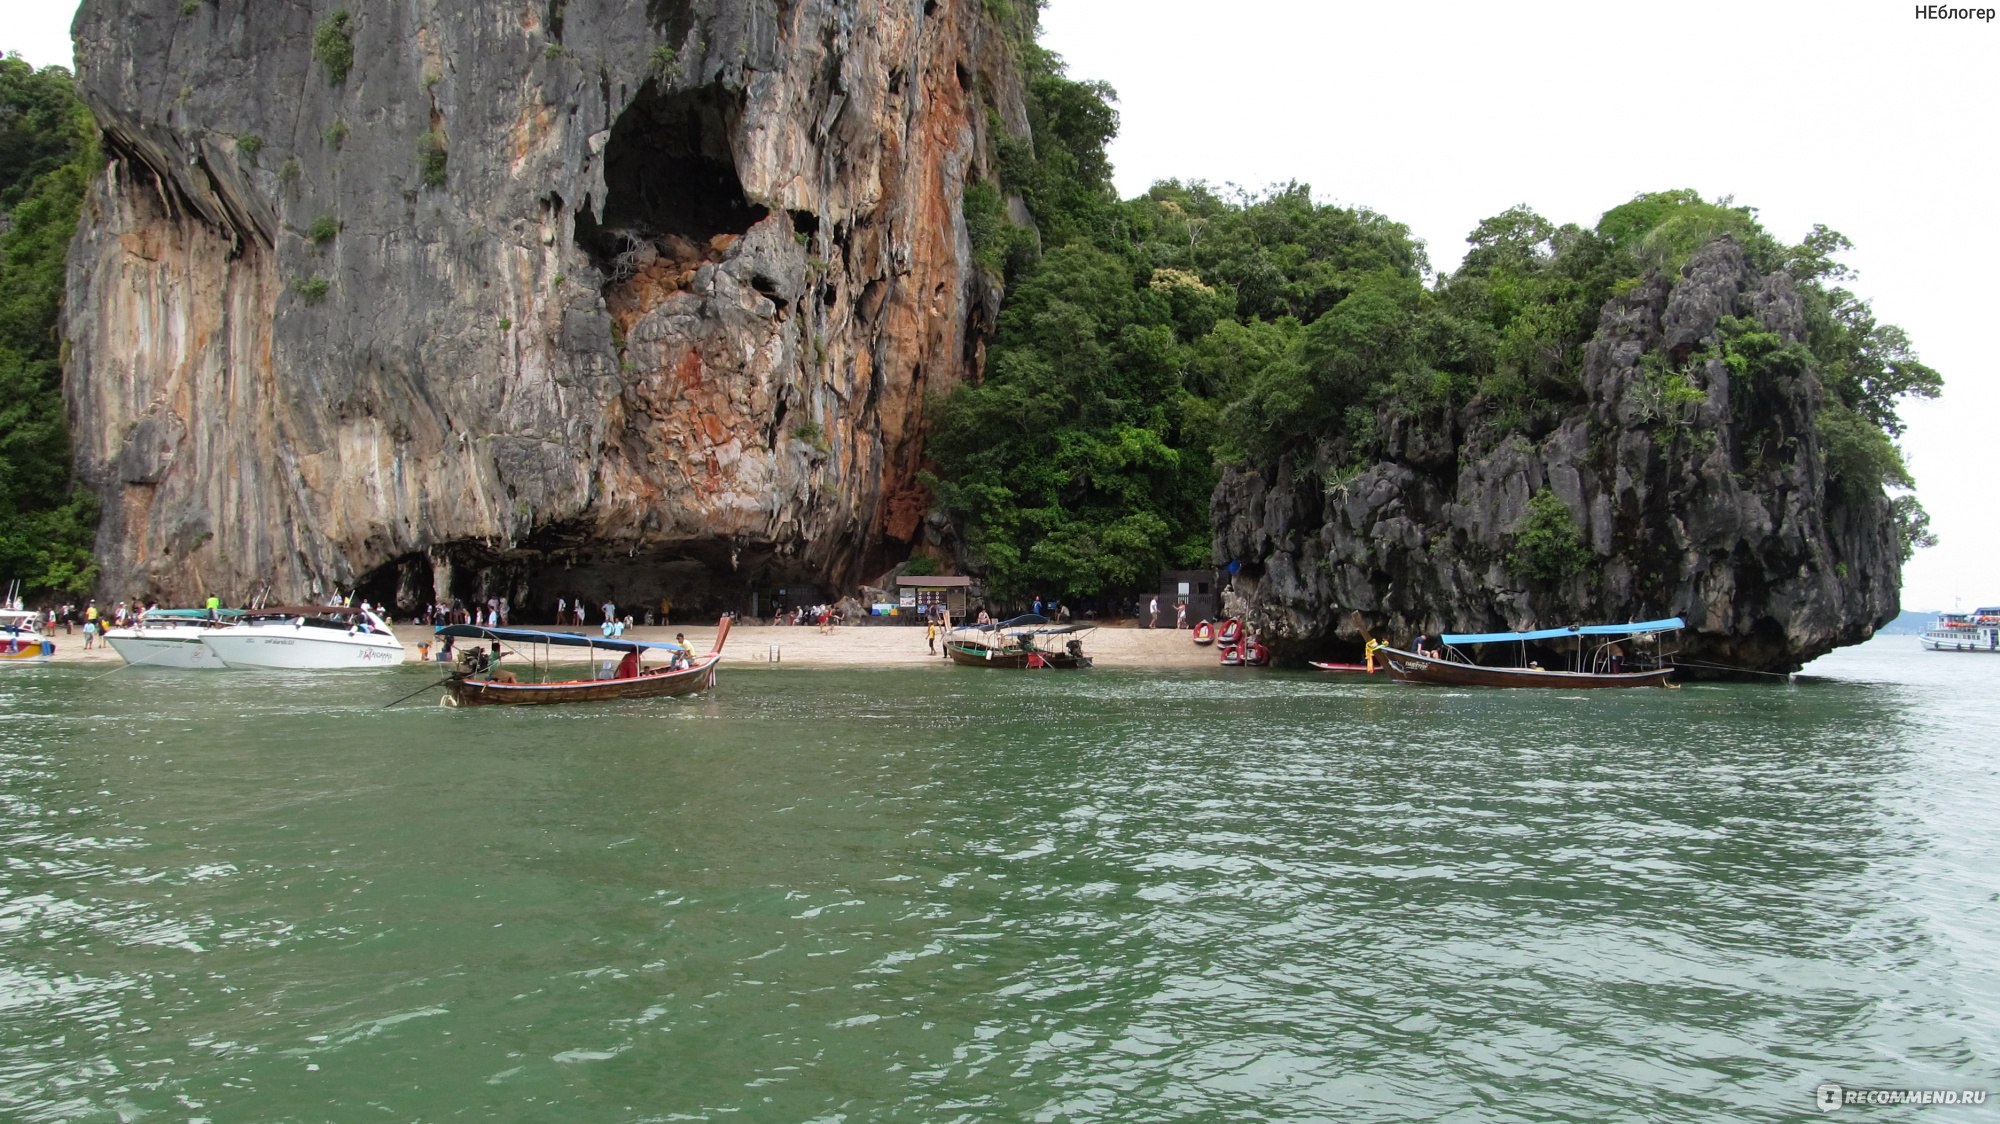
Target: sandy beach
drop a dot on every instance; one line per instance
(804, 646)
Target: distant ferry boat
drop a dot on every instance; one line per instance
(1977, 631)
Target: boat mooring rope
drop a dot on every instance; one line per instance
(1736, 670)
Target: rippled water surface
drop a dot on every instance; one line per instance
(954, 894)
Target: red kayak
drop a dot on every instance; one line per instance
(1244, 653)
(1204, 633)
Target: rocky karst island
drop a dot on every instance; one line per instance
(711, 301)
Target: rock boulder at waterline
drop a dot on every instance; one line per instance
(1723, 510)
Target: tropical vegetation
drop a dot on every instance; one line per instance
(48, 152)
(1144, 343)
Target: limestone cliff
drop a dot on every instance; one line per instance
(622, 298)
(1720, 511)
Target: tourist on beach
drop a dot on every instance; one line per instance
(930, 635)
(1180, 614)
(1153, 612)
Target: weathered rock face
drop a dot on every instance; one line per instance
(1724, 517)
(581, 293)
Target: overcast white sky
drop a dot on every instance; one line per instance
(1852, 113)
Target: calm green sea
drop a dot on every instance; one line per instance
(954, 894)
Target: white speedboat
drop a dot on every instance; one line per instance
(1977, 631)
(21, 639)
(307, 638)
(171, 638)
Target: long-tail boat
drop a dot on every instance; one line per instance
(1018, 643)
(480, 682)
(1600, 658)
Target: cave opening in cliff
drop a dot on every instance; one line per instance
(672, 192)
(689, 582)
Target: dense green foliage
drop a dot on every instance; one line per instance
(333, 45)
(432, 155)
(1548, 547)
(48, 152)
(1144, 342)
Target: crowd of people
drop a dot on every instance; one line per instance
(827, 617)
(90, 620)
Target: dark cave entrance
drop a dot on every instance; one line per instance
(697, 581)
(670, 181)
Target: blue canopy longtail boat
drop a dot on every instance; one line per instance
(1600, 659)
(479, 681)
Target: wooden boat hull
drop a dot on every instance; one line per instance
(478, 689)
(1408, 667)
(691, 680)
(1325, 666)
(973, 655)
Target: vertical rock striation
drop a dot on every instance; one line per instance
(1719, 510)
(568, 283)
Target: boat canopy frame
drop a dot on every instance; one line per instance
(179, 616)
(1599, 657)
(1668, 624)
(538, 643)
(1028, 624)
(1015, 632)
